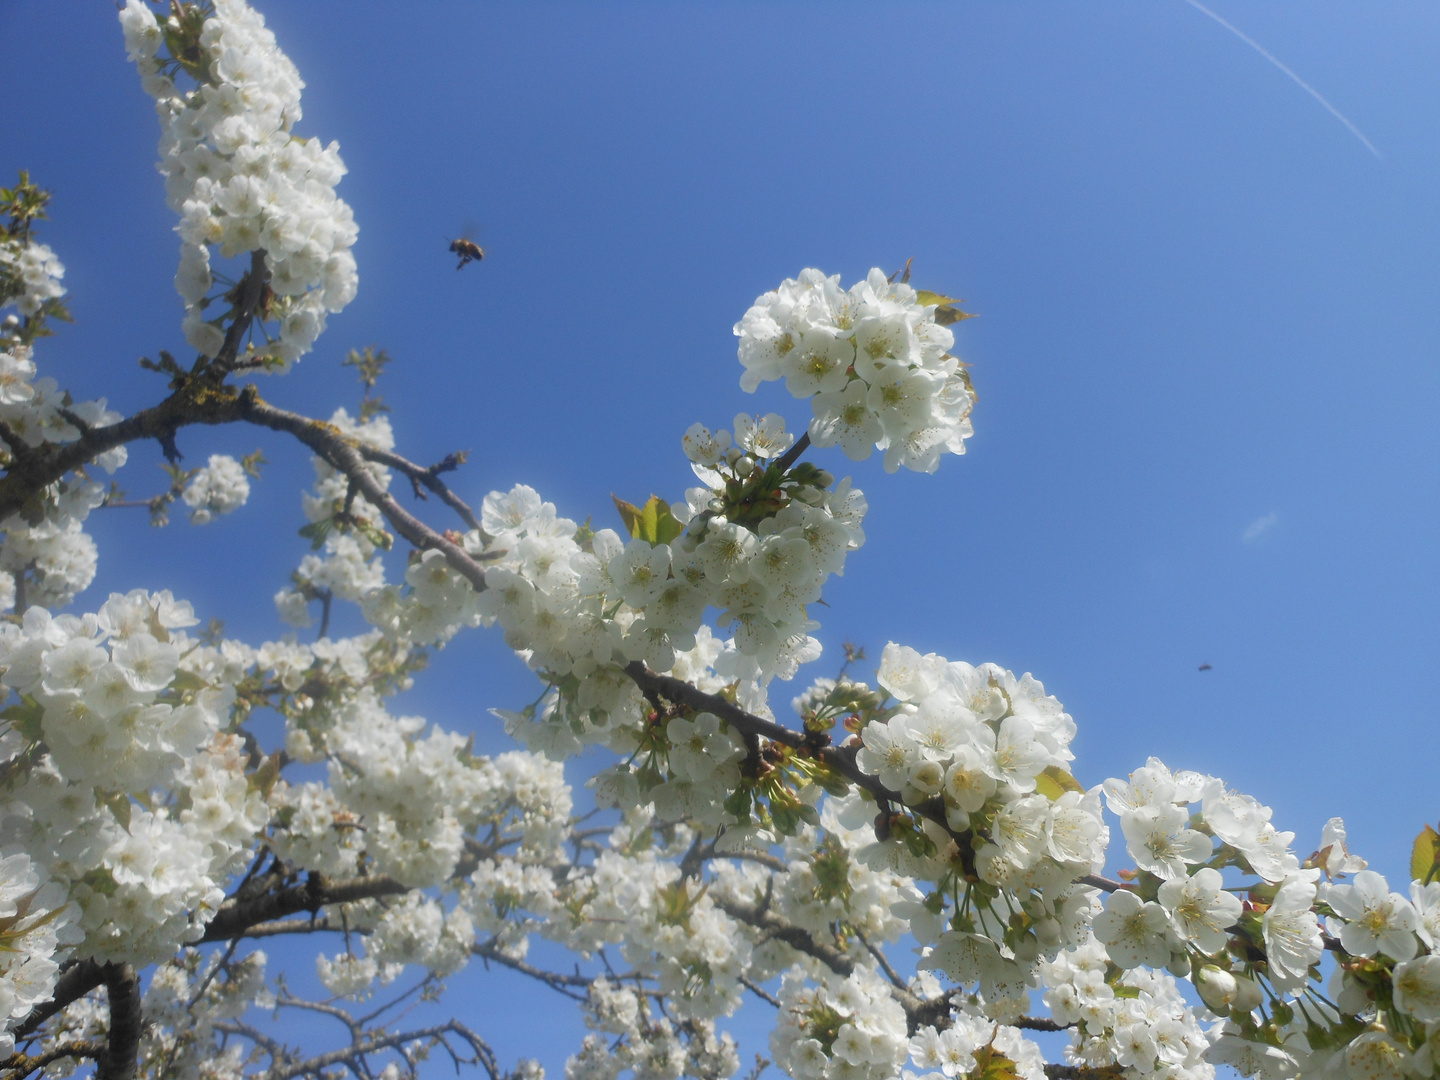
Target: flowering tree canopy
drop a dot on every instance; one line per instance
(741, 851)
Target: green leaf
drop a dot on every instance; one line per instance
(317, 531)
(949, 313)
(652, 522)
(945, 310)
(157, 628)
(186, 682)
(25, 718)
(1425, 855)
(1055, 781)
(927, 298)
(118, 803)
(629, 513)
(263, 778)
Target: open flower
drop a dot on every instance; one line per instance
(1133, 931)
(1376, 920)
(1292, 932)
(1200, 910)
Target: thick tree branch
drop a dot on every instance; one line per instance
(119, 1062)
(237, 916)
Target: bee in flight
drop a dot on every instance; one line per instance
(468, 250)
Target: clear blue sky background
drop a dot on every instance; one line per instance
(1204, 305)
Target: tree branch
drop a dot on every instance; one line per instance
(119, 1062)
(252, 291)
(561, 984)
(759, 991)
(781, 929)
(19, 1065)
(837, 759)
(236, 916)
(1083, 1072)
(360, 1048)
(427, 476)
(793, 454)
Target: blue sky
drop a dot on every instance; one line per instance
(1207, 313)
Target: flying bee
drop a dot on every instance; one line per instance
(468, 250)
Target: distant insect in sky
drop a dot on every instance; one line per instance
(468, 250)
(1205, 667)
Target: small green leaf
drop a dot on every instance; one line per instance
(652, 522)
(263, 778)
(25, 718)
(927, 298)
(629, 513)
(157, 628)
(1425, 855)
(1055, 781)
(186, 682)
(945, 310)
(118, 803)
(317, 531)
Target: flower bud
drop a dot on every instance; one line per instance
(745, 466)
(1247, 996)
(1217, 988)
(1048, 931)
(1179, 964)
(733, 455)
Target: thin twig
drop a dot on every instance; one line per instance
(880, 958)
(760, 992)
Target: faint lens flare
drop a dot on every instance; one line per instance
(1259, 527)
(1296, 78)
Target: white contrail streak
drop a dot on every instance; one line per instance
(1295, 78)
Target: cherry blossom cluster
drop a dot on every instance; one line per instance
(628, 1037)
(997, 821)
(48, 545)
(30, 276)
(348, 565)
(936, 807)
(238, 177)
(37, 926)
(131, 808)
(873, 361)
(100, 694)
(1384, 1005)
(1136, 1019)
(217, 489)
